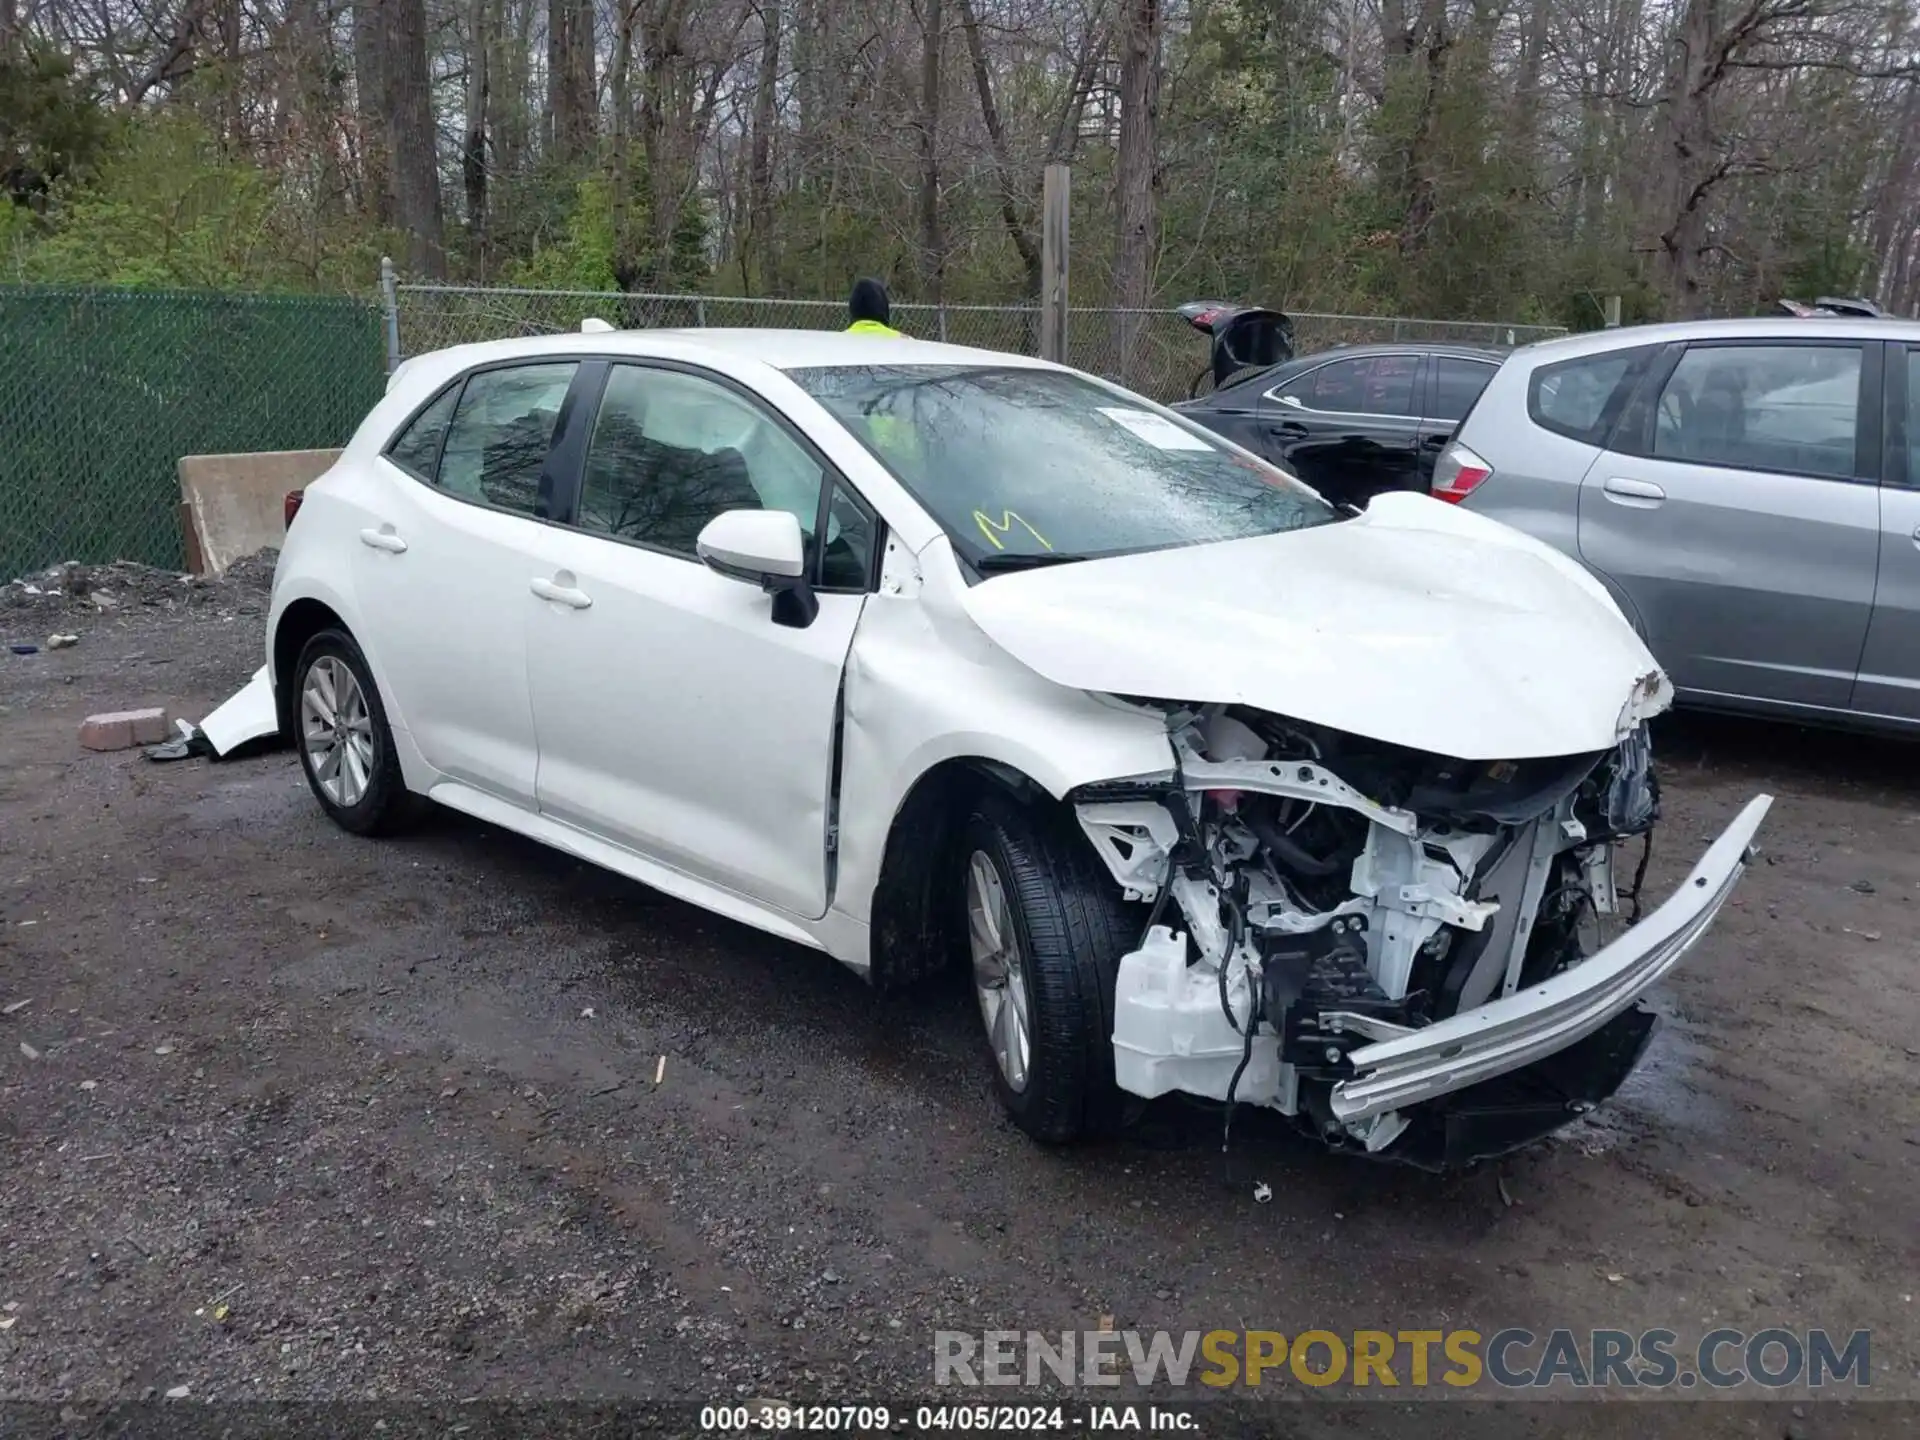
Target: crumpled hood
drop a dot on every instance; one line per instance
(1417, 624)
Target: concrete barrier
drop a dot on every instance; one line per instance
(234, 505)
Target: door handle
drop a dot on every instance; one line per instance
(561, 591)
(1916, 534)
(1643, 493)
(384, 539)
(1292, 429)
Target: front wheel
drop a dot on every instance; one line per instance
(1046, 927)
(346, 745)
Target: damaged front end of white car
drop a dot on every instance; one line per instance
(1421, 958)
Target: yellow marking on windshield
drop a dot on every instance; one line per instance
(1008, 519)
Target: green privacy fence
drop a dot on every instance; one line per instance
(102, 391)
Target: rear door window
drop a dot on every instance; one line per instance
(1364, 385)
(1793, 409)
(1456, 385)
(498, 441)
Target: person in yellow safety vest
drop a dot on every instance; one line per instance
(869, 310)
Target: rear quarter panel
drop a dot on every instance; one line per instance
(1238, 421)
(1535, 485)
(316, 562)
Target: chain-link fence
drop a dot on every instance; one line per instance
(1170, 354)
(102, 392)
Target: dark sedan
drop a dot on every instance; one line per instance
(1355, 421)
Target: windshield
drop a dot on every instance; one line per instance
(1024, 466)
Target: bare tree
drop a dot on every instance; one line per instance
(1017, 189)
(933, 244)
(410, 124)
(1136, 175)
(760, 179)
(473, 139)
(1470, 157)
(571, 105)
(370, 107)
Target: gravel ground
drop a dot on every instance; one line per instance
(291, 1115)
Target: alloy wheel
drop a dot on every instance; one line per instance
(336, 731)
(999, 975)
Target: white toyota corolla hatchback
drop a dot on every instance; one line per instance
(924, 655)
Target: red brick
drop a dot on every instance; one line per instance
(106, 732)
(122, 729)
(149, 726)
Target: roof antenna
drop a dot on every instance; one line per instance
(594, 325)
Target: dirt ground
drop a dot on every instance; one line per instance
(286, 1114)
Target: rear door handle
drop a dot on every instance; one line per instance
(384, 539)
(1643, 493)
(561, 591)
(1292, 429)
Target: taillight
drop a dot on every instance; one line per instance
(1458, 473)
(291, 505)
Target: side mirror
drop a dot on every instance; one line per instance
(764, 548)
(753, 545)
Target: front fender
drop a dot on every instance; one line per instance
(915, 699)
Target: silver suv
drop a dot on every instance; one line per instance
(1749, 490)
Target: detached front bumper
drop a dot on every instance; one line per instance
(1529, 1026)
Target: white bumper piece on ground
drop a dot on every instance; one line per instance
(247, 715)
(1528, 1025)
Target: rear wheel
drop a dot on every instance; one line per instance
(1046, 928)
(346, 745)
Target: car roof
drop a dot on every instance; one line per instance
(1765, 327)
(1405, 347)
(803, 349)
(780, 349)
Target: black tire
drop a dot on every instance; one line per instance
(1072, 926)
(385, 805)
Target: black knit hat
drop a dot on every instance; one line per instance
(869, 302)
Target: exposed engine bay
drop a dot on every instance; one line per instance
(1316, 893)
